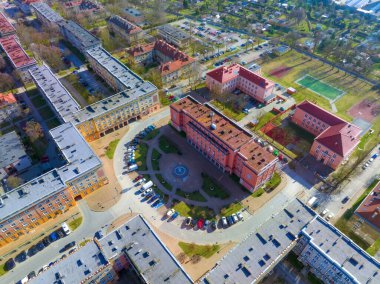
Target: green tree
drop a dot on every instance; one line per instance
(186, 4)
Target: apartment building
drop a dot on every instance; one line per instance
(6, 28)
(174, 35)
(20, 61)
(174, 64)
(369, 209)
(13, 158)
(46, 15)
(133, 245)
(83, 6)
(135, 16)
(25, 5)
(9, 107)
(125, 29)
(56, 95)
(225, 79)
(333, 257)
(78, 36)
(228, 146)
(35, 202)
(335, 138)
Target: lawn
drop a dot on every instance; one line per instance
(2, 271)
(75, 223)
(213, 188)
(191, 249)
(167, 185)
(46, 112)
(231, 209)
(38, 101)
(374, 248)
(53, 122)
(258, 192)
(167, 146)
(195, 195)
(264, 119)
(111, 148)
(152, 134)
(227, 110)
(196, 212)
(273, 182)
(140, 156)
(156, 160)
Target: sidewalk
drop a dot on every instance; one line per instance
(33, 237)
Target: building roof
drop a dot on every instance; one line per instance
(133, 12)
(369, 209)
(141, 49)
(15, 52)
(83, 5)
(45, 10)
(256, 156)
(80, 160)
(76, 267)
(151, 258)
(226, 131)
(53, 90)
(174, 32)
(341, 137)
(86, 39)
(6, 99)
(5, 26)
(224, 74)
(263, 248)
(11, 149)
(127, 78)
(127, 26)
(342, 251)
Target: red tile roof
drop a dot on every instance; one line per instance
(320, 113)
(257, 156)
(5, 26)
(6, 99)
(369, 209)
(122, 23)
(141, 49)
(15, 52)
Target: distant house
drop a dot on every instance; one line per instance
(9, 107)
(369, 209)
(135, 16)
(125, 29)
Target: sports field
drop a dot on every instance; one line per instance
(320, 88)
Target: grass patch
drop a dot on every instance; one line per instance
(191, 249)
(140, 156)
(75, 223)
(2, 270)
(273, 182)
(38, 101)
(195, 195)
(164, 100)
(111, 148)
(231, 209)
(46, 112)
(167, 146)
(292, 258)
(152, 134)
(167, 185)
(228, 110)
(52, 123)
(156, 160)
(83, 243)
(192, 211)
(258, 192)
(374, 248)
(212, 188)
(264, 119)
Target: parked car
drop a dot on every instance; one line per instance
(9, 264)
(170, 212)
(207, 223)
(188, 221)
(235, 218)
(230, 220)
(329, 216)
(32, 250)
(324, 212)
(46, 241)
(213, 225)
(40, 246)
(224, 221)
(175, 215)
(240, 216)
(345, 199)
(31, 275)
(200, 223)
(21, 256)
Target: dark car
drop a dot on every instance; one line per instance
(32, 250)
(344, 200)
(31, 275)
(9, 264)
(21, 256)
(60, 233)
(53, 237)
(40, 246)
(213, 225)
(46, 241)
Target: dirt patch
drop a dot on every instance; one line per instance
(367, 109)
(280, 71)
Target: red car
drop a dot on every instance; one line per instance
(200, 223)
(138, 178)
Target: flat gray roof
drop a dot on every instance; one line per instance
(80, 160)
(132, 11)
(82, 35)
(117, 100)
(144, 248)
(54, 91)
(174, 32)
(45, 10)
(79, 265)
(11, 149)
(263, 248)
(126, 78)
(342, 251)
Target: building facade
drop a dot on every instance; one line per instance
(231, 148)
(369, 209)
(128, 31)
(224, 80)
(335, 138)
(173, 35)
(6, 28)
(174, 64)
(9, 107)
(135, 16)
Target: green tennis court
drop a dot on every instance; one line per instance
(319, 87)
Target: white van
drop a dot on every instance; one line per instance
(66, 228)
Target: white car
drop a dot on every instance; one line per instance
(329, 216)
(224, 221)
(324, 212)
(235, 218)
(146, 192)
(240, 216)
(170, 212)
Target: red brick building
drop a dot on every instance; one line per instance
(6, 28)
(224, 143)
(335, 138)
(224, 80)
(369, 209)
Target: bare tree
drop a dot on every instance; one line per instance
(33, 130)
(3, 64)
(196, 258)
(6, 82)
(13, 181)
(182, 257)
